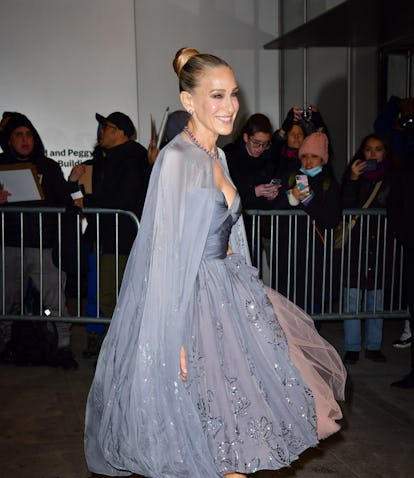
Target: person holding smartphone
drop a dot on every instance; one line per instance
(299, 257)
(369, 173)
(252, 165)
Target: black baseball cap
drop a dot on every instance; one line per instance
(120, 120)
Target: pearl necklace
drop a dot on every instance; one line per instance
(212, 155)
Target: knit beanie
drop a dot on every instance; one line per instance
(317, 144)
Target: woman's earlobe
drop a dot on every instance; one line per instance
(186, 101)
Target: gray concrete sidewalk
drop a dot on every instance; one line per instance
(42, 414)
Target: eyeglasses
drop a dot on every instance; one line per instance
(259, 144)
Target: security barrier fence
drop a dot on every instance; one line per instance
(352, 271)
(59, 238)
(292, 255)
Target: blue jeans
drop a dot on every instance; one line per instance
(91, 303)
(352, 327)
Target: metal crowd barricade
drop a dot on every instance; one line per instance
(279, 254)
(20, 312)
(269, 251)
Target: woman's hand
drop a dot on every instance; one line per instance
(297, 115)
(357, 169)
(299, 194)
(183, 364)
(268, 191)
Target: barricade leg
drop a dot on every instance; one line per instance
(12, 291)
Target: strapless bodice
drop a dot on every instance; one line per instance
(222, 221)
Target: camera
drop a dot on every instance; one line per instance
(306, 113)
(407, 122)
(370, 165)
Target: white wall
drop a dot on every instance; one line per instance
(235, 30)
(64, 60)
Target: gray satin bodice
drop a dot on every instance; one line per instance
(222, 221)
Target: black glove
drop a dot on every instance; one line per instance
(289, 120)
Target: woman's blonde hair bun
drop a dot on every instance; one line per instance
(181, 58)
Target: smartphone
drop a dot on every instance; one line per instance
(276, 182)
(370, 165)
(302, 182)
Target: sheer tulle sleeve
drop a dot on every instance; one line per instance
(137, 375)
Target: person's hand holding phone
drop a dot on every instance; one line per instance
(301, 188)
(357, 168)
(268, 191)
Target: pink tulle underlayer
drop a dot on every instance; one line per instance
(317, 361)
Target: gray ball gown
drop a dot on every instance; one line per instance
(256, 396)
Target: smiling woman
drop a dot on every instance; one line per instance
(211, 99)
(194, 377)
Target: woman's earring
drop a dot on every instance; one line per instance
(190, 112)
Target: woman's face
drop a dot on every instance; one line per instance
(295, 137)
(310, 161)
(214, 102)
(257, 144)
(374, 149)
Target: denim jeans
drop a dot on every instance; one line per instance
(352, 327)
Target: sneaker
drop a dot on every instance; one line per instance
(375, 355)
(406, 382)
(351, 357)
(402, 343)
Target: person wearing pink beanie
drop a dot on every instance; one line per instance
(313, 189)
(316, 144)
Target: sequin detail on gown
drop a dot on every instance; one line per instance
(255, 408)
(245, 405)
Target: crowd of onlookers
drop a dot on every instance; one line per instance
(287, 169)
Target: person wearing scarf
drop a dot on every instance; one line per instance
(373, 162)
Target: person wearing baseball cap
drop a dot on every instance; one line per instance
(121, 121)
(120, 174)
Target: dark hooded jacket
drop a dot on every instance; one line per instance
(56, 193)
